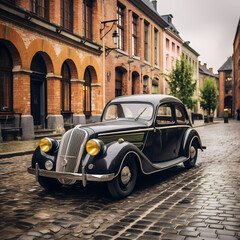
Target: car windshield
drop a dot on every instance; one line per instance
(129, 110)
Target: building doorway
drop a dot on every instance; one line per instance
(228, 105)
(87, 106)
(118, 82)
(38, 92)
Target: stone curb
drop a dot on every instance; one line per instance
(14, 154)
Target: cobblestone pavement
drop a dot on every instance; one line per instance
(201, 203)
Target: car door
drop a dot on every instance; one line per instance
(161, 143)
(182, 122)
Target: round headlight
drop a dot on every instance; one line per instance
(45, 144)
(93, 147)
(49, 165)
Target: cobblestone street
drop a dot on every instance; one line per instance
(201, 203)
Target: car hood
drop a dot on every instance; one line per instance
(115, 126)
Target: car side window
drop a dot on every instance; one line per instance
(180, 115)
(164, 115)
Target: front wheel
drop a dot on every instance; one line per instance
(123, 185)
(193, 156)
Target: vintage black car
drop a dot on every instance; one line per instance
(139, 133)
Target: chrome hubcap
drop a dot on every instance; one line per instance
(125, 175)
(192, 152)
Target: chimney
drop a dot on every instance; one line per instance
(199, 63)
(211, 70)
(154, 3)
(205, 65)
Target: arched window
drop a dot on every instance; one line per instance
(118, 82)
(155, 86)
(145, 85)
(6, 80)
(87, 92)
(66, 88)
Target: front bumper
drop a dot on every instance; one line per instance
(84, 177)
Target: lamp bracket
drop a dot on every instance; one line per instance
(104, 25)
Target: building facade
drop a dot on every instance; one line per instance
(205, 72)
(226, 88)
(172, 48)
(59, 64)
(192, 57)
(136, 65)
(51, 54)
(236, 72)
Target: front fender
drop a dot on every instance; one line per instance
(41, 157)
(190, 136)
(110, 160)
(113, 158)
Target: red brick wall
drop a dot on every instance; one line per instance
(236, 67)
(221, 92)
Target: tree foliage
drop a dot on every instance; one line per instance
(181, 83)
(209, 95)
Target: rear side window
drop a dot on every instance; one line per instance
(164, 115)
(180, 115)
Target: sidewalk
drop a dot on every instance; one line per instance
(18, 148)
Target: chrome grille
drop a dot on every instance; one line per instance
(71, 150)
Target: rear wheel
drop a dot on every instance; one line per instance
(49, 184)
(193, 156)
(123, 185)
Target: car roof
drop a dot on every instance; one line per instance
(155, 99)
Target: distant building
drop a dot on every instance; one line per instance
(226, 87)
(236, 71)
(172, 48)
(192, 57)
(205, 72)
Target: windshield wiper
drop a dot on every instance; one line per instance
(140, 114)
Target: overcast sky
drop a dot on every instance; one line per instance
(209, 25)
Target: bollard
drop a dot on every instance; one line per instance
(225, 115)
(238, 114)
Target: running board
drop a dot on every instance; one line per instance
(171, 163)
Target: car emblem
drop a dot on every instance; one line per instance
(64, 162)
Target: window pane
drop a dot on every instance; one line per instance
(180, 115)
(146, 36)
(164, 115)
(129, 110)
(120, 27)
(67, 14)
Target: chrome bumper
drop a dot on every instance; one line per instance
(73, 176)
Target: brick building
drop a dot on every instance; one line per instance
(192, 57)
(236, 71)
(226, 87)
(50, 63)
(136, 66)
(59, 65)
(172, 48)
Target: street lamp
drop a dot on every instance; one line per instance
(108, 50)
(115, 35)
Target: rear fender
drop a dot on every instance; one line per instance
(190, 136)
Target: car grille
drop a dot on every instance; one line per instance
(71, 150)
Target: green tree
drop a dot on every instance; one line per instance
(209, 95)
(181, 83)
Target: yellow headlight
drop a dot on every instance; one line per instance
(93, 147)
(45, 144)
